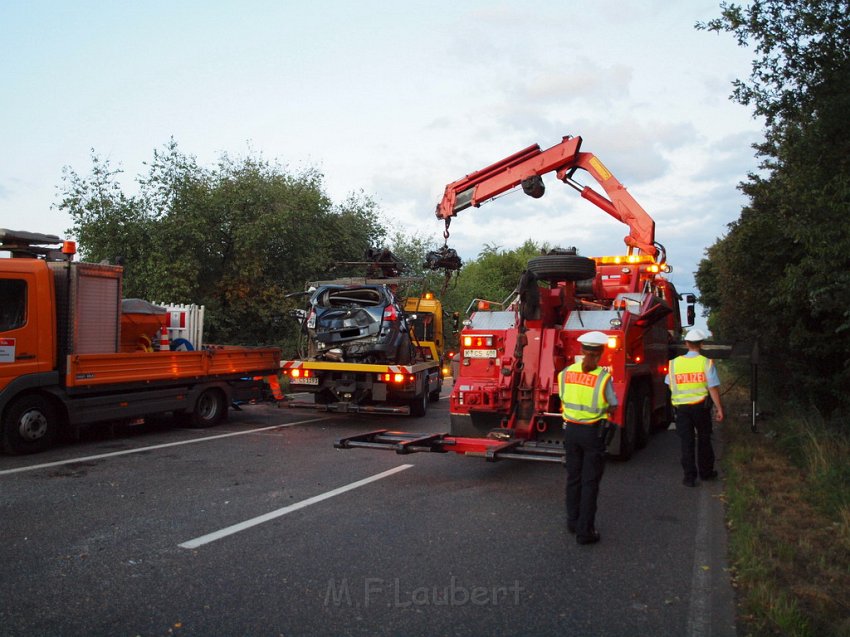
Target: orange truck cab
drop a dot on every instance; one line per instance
(62, 364)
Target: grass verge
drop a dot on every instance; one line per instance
(788, 512)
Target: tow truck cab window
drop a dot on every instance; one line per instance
(13, 304)
(423, 326)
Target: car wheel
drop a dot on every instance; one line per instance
(404, 352)
(30, 425)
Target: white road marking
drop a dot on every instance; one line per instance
(247, 524)
(125, 452)
(699, 610)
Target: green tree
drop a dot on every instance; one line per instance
(236, 238)
(782, 272)
(493, 276)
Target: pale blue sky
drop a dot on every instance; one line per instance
(394, 98)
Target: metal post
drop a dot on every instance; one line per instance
(754, 364)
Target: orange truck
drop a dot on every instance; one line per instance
(70, 357)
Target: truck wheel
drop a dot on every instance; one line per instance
(644, 428)
(210, 409)
(628, 434)
(30, 425)
(419, 405)
(562, 267)
(434, 396)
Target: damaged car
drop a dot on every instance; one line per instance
(359, 323)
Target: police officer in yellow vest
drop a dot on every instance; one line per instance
(587, 398)
(692, 379)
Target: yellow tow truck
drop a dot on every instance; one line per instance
(361, 375)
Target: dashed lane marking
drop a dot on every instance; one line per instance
(247, 524)
(125, 452)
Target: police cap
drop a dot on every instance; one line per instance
(593, 340)
(695, 335)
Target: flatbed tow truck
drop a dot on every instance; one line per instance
(378, 387)
(504, 403)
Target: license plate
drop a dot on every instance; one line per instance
(480, 353)
(304, 381)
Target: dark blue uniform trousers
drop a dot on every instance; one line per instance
(585, 460)
(693, 424)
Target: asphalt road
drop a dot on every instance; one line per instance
(261, 527)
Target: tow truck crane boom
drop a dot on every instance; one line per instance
(525, 169)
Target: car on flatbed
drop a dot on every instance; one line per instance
(363, 323)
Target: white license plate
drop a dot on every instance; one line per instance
(304, 381)
(480, 353)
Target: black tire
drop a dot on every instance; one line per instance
(419, 405)
(434, 396)
(669, 416)
(628, 433)
(404, 352)
(30, 425)
(323, 398)
(562, 267)
(644, 413)
(210, 409)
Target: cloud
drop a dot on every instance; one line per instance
(585, 83)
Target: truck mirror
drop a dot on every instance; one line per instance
(690, 312)
(455, 322)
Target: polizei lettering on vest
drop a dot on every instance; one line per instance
(580, 378)
(694, 377)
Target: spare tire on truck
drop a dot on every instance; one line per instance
(562, 267)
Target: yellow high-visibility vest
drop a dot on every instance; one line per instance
(688, 379)
(583, 394)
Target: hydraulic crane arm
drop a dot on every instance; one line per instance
(525, 169)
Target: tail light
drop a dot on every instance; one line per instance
(478, 341)
(396, 378)
(300, 373)
(390, 313)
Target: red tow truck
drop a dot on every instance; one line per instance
(504, 403)
(70, 356)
